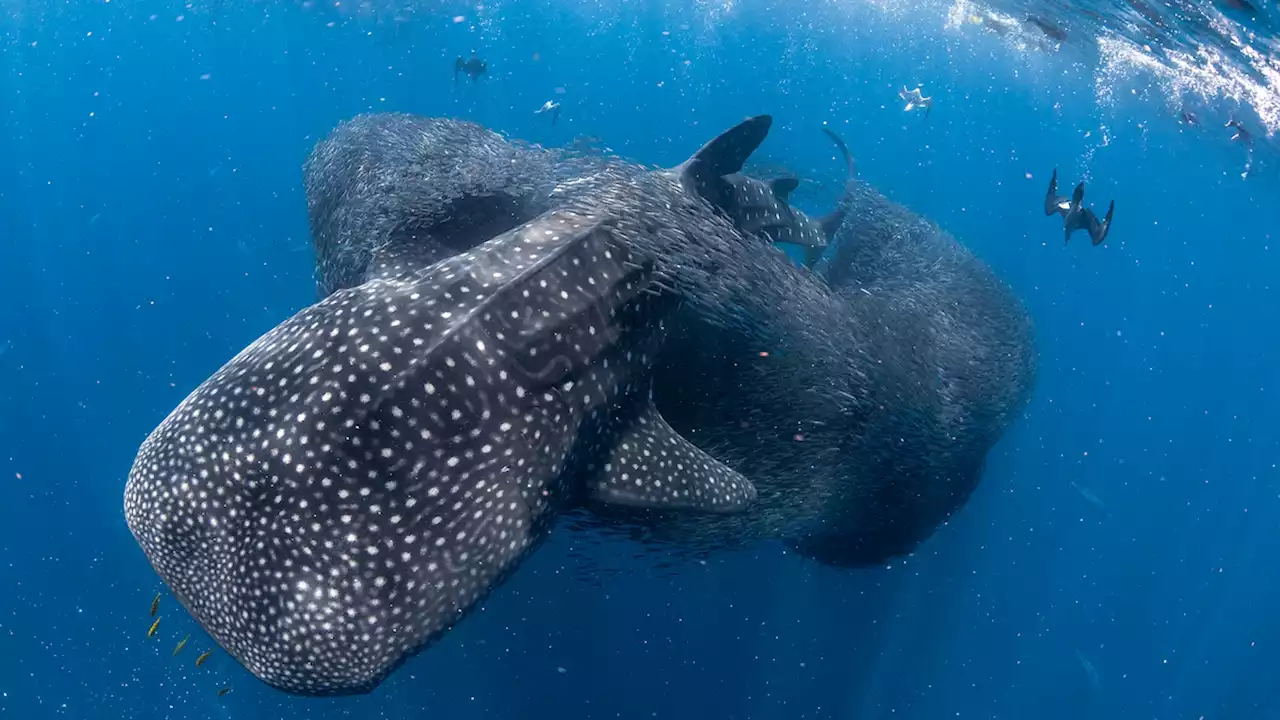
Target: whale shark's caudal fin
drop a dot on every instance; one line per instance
(704, 173)
(652, 467)
(831, 221)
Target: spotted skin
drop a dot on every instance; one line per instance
(757, 207)
(350, 485)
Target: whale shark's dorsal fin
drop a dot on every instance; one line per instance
(783, 187)
(831, 221)
(728, 152)
(724, 155)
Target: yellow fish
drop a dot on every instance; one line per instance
(155, 605)
(154, 625)
(224, 691)
(181, 644)
(203, 656)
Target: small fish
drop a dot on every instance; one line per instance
(155, 605)
(154, 625)
(181, 644)
(203, 656)
(224, 691)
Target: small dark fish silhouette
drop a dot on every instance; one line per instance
(224, 691)
(203, 656)
(1190, 118)
(475, 67)
(155, 605)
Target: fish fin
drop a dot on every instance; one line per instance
(1077, 196)
(783, 187)
(1053, 203)
(813, 254)
(1098, 230)
(831, 222)
(704, 173)
(654, 467)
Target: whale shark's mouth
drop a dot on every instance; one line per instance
(470, 220)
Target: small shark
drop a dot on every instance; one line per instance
(349, 486)
(914, 99)
(475, 67)
(553, 108)
(1075, 215)
(758, 207)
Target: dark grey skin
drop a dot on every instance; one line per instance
(758, 207)
(352, 484)
(365, 187)
(1075, 216)
(474, 67)
(898, 361)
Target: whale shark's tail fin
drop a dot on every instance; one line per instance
(1098, 230)
(1053, 203)
(831, 221)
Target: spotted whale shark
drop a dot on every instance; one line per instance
(350, 485)
(861, 398)
(760, 207)
(445, 185)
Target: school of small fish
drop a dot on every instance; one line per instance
(200, 660)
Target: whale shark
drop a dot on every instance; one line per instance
(446, 185)
(860, 398)
(761, 207)
(349, 486)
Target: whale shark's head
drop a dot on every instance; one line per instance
(350, 485)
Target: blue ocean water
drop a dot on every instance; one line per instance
(1115, 562)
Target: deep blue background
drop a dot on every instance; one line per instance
(152, 224)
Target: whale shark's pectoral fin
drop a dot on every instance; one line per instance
(704, 173)
(1053, 203)
(783, 187)
(1098, 230)
(813, 254)
(652, 467)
